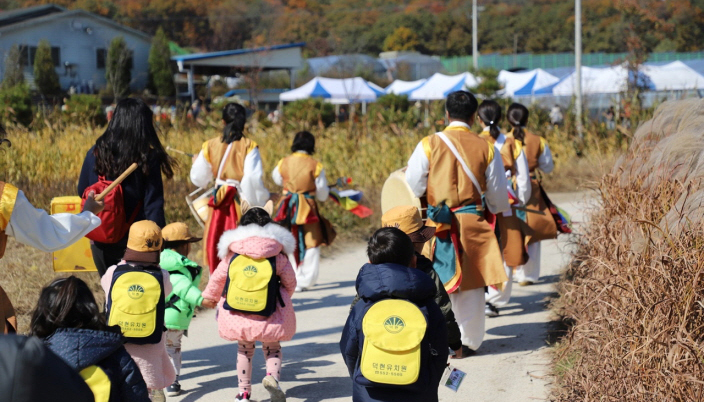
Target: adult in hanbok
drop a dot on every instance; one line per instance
(511, 224)
(542, 226)
(304, 184)
(234, 163)
(462, 175)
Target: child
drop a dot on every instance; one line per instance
(181, 303)
(395, 340)
(137, 284)
(264, 246)
(69, 320)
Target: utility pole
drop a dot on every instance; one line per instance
(475, 41)
(578, 65)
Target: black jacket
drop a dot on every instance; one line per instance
(392, 281)
(454, 338)
(30, 372)
(81, 348)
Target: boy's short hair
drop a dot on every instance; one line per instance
(390, 246)
(461, 105)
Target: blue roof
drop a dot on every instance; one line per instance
(202, 56)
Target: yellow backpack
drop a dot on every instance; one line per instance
(136, 303)
(252, 285)
(98, 382)
(393, 331)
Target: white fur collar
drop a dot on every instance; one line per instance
(270, 231)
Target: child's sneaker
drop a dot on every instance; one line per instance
(242, 397)
(174, 389)
(158, 395)
(271, 385)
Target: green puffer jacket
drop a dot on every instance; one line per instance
(181, 303)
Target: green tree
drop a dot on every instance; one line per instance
(14, 72)
(45, 77)
(118, 66)
(160, 68)
(401, 39)
(489, 84)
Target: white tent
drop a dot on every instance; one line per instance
(674, 76)
(340, 91)
(608, 80)
(400, 87)
(525, 83)
(440, 85)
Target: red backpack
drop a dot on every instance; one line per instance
(114, 224)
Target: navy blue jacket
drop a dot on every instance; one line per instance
(137, 187)
(81, 348)
(392, 281)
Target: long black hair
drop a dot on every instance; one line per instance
(234, 115)
(129, 138)
(66, 303)
(303, 141)
(517, 116)
(490, 113)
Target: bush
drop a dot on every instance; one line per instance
(160, 69)
(17, 105)
(45, 77)
(307, 113)
(14, 73)
(117, 71)
(85, 110)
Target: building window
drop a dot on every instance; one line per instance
(101, 55)
(27, 54)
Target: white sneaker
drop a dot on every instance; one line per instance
(271, 385)
(243, 397)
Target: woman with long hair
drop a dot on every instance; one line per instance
(511, 224)
(129, 138)
(542, 226)
(304, 182)
(234, 162)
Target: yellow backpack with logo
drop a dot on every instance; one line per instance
(252, 286)
(392, 351)
(98, 382)
(136, 303)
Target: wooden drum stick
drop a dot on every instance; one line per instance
(116, 182)
(178, 151)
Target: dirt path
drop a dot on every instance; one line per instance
(512, 364)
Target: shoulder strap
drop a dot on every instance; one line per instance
(455, 152)
(224, 160)
(500, 142)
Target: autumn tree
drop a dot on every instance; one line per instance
(160, 67)
(14, 71)
(401, 39)
(45, 77)
(118, 66)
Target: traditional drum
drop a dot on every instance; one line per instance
(396, 192)
(198, 204)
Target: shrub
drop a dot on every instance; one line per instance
(160, 69)
(45, 77)
(308, 113)
(118, 65)
(85, 110)
(14, 73)
(17, 105)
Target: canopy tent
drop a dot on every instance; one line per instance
(440, 85)
(525, 83)
(400, 87)
(340, 91)
(610, 80)
(674, 76)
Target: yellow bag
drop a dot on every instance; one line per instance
(393, 330)
(252, 285)
(136, 303)
(98, 382)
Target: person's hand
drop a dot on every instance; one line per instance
(93, 206)
(458, 354)
(207, 303)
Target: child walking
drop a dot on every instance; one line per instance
(68, 319)
(254, 258)
(135, 291)
(181, 303)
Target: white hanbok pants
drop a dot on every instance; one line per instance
(531, 270)
(308, 270)
(468, 306)
(500, 298)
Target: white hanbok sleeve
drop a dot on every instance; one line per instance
(322, 191)
(201, 171)
(545, 162)
(523, 178)
(276, 176)
(496, 195)
(34, 227)
(252, 187)
(417, 171)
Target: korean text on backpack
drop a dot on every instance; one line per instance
(395, 352)
(114, 223)
(252, 286)
(136, 303)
